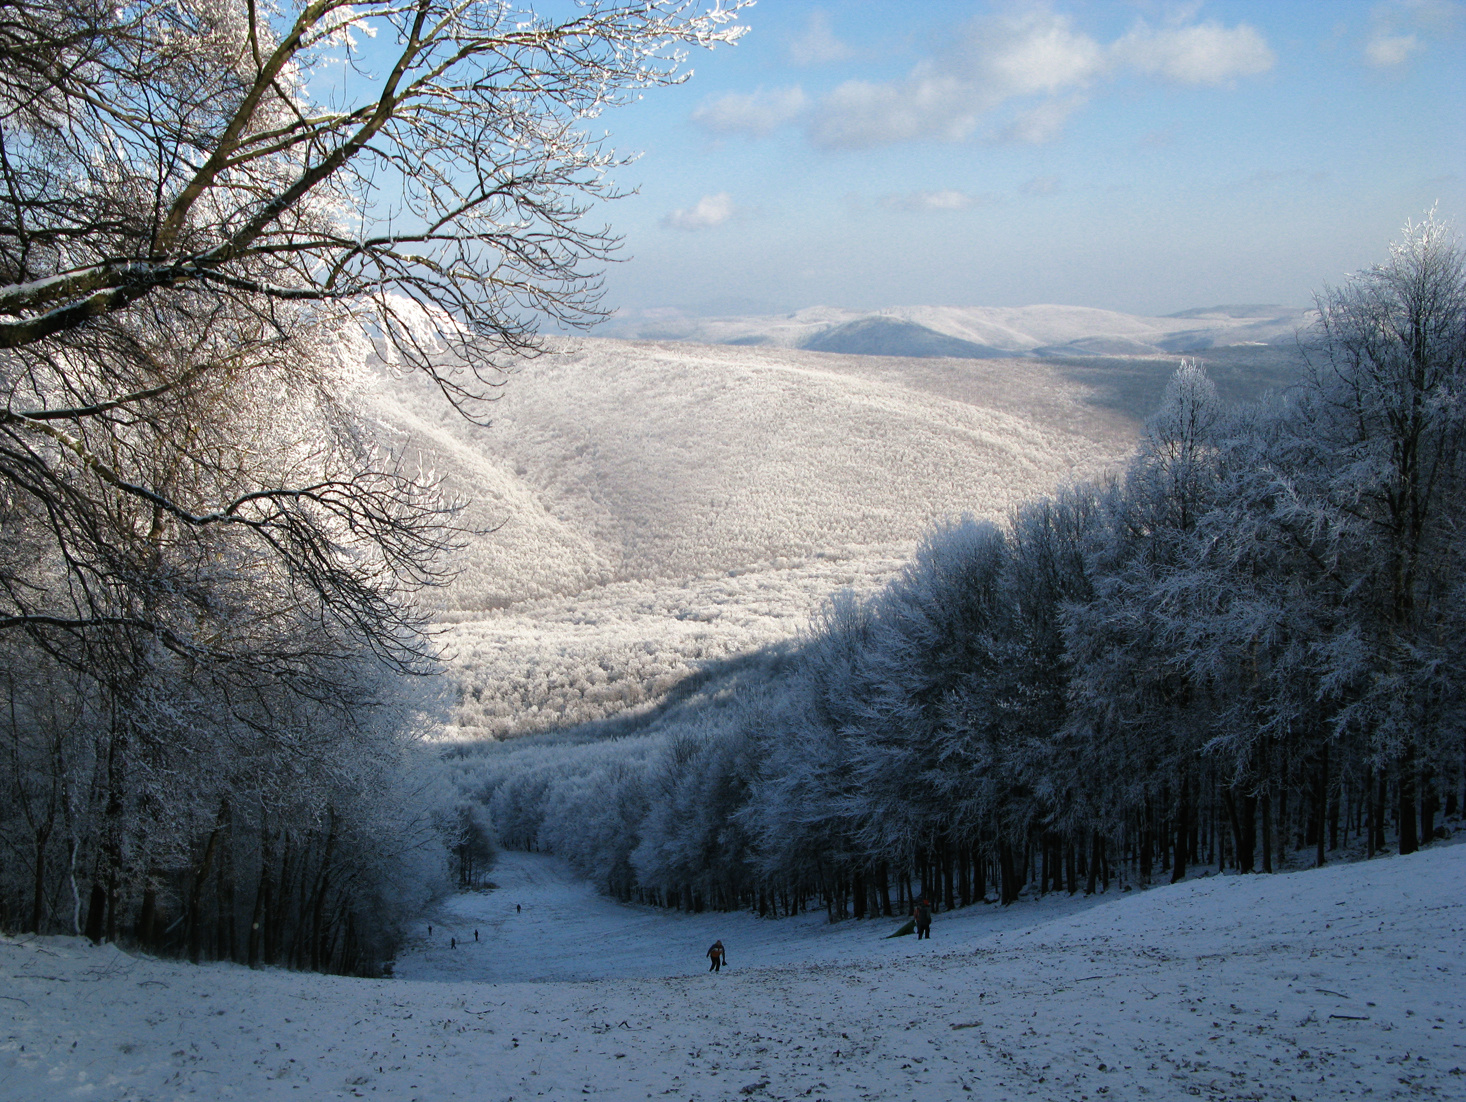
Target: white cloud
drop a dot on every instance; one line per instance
(1043, 122)
(818, 44)
(1400, 29)
(709, 211)
(1039, 52)
(757, 113)
(1036, 52)
(1205, 53)
(859, 113)
(945, 199)
(1386, 50)
(1038, 60)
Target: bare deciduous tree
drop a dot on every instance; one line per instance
(213, 214)
(191, 202)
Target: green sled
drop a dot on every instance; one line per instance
(908, 927)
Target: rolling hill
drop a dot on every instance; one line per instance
(647, 507)
(975, 331)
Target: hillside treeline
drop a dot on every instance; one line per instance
(1245, 645)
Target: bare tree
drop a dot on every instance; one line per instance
(1380, 445)
(213, 214)
(158, 147)
(193, 213)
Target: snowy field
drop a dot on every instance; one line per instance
(1346, 982)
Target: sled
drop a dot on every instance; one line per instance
(906, 927)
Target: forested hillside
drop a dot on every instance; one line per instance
(1242, 646)
(645, 508)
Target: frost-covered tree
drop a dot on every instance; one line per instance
(1049, 576)
(1379, 446)
(803, 802)
(210, 204)
(927, 764)
(1136, 710)
(215, 213)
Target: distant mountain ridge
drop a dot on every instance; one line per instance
(883, 336)
(977, 332)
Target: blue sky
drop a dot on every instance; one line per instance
(1136, 155)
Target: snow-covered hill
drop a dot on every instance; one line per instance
(649, 506)
(981, 332)
(1340, 983)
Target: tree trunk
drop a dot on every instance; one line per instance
(274, 940)
(1267, 831)
(1282, 827)
(1145, 845)
(323, 884)
(1409, 840)
(96, 910)
(1320, 804)
(1429, 804)
(1183, 824)
(949, 886)
(1244, 828)
(226, 943)
(147, 918)
(38, 896)
(1336, 801)
(195, 896)
(260, 911)
(1010, 886)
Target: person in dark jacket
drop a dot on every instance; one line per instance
(717, 956)
(922, 912)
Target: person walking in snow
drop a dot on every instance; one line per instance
(717, 956)
(922, 912)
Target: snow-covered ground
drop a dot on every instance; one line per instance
(1344, 982)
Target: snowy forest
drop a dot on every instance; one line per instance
(218, 568)
(1242, 647)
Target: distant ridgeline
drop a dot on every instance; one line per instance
(990, 332)
(1246, 646)
(1249, 350)
(879, 336)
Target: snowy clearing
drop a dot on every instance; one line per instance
(1345, 982)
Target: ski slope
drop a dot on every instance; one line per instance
(1339, 983)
